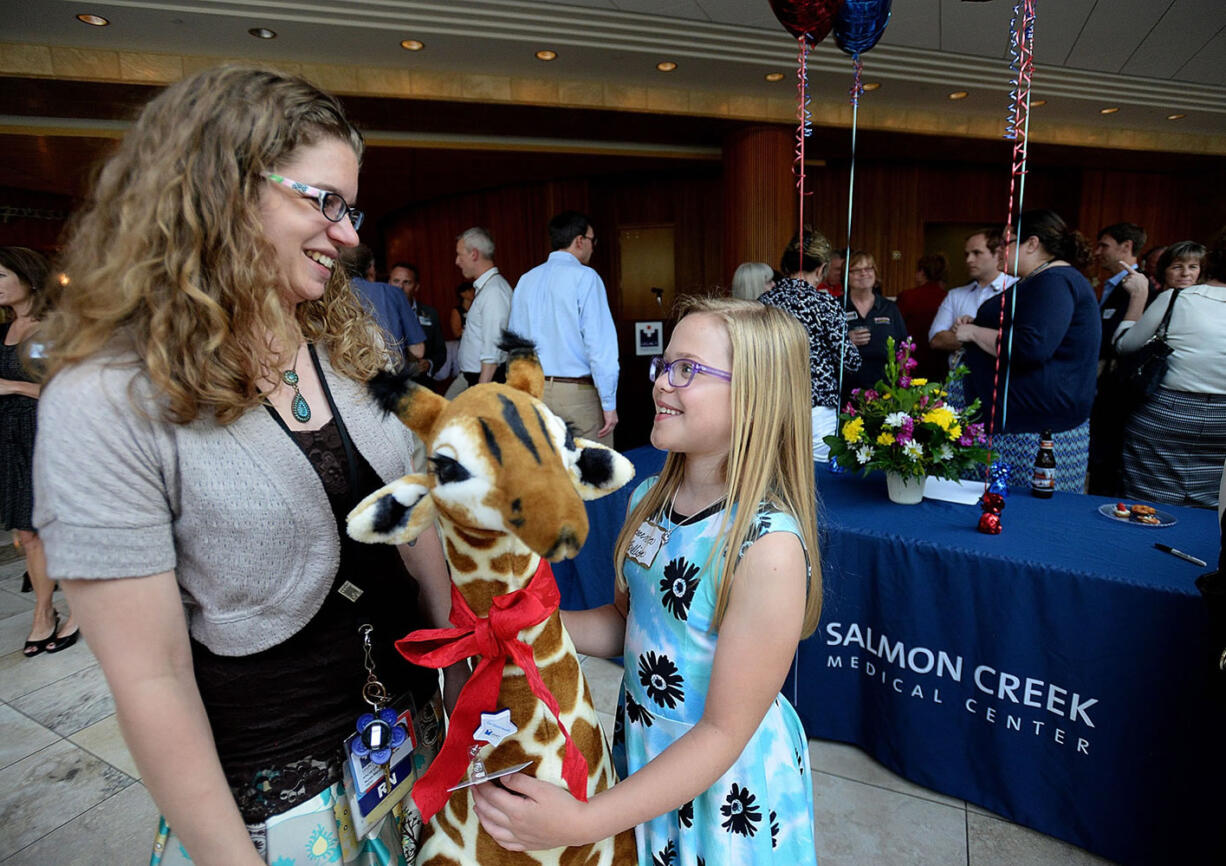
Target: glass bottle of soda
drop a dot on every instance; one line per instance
(1043, 481)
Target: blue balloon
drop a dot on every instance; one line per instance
(859, 24)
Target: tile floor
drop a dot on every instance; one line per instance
(70, 793)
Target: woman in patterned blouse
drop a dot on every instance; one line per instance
(830, 352)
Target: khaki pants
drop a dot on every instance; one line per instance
(578, 405)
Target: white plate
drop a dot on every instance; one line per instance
(1107, 510)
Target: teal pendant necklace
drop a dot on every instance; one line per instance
(299, 407)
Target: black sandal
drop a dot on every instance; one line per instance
(34, 647)
(63, 643)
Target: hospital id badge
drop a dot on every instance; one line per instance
(646, 543)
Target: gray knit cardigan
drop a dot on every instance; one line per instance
(236, 511)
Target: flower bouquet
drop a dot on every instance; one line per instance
(905, 427)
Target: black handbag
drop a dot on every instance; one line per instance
(1140, 373)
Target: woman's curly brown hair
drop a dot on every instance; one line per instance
(168, 258)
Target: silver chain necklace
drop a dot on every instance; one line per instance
(692, 518)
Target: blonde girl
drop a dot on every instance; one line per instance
(718, 582)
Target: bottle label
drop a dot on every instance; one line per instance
(1044, 478)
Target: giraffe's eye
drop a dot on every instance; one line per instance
(448, 471)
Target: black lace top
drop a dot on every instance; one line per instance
(279, 716)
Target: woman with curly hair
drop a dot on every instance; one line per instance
(203, 432)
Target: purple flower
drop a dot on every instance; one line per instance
(908, 425)
(911, 363)
(976, 431)
(923, 402)
(870, 394)
(965, 441)
(855, 392)
(904, 382)
(850, 410)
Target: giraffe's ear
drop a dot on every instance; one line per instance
(417, 408)
(598, 470)
(394, 514)
(523, 367)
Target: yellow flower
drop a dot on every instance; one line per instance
(955, 431)
(884, 438)
(942, 416)
(919, 382)
(886, 395)
(852, 429)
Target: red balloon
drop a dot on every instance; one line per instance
(812, 19)
(989, 523)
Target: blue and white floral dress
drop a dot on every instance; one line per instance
(761, 810)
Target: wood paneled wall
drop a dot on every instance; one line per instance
(894, 200)
(760, 204)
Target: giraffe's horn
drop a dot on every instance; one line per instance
(523, 367)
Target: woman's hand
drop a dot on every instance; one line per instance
(531, 815)
(1136, 283)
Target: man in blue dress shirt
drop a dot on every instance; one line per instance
(1117, 250)
(562, 306)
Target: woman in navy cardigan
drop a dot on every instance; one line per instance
(1048, 349)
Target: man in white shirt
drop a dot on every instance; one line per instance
(480, 359)
(562, 307)
(983, 263)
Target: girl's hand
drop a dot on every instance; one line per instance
(532, 815)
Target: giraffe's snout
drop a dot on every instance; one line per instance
(565, 546)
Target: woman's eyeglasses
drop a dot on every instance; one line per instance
(682, 371)
(331, 205)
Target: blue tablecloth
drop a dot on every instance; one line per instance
(1055, 674)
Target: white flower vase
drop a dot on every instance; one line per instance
(905, 489)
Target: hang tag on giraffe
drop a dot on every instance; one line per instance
(646, 543)
(489, 777)
(495, 727)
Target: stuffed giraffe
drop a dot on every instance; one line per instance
(506, 485)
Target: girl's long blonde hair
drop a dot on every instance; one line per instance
(168, 259)
(770, 457)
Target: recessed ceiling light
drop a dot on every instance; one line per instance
(412, 44)
(1034, 103)
(1176, 116)
(546, 55)
(666, 66)
(774, 76)
(92, 20)
(262, 33)
(1112, 110)
(872, 85)
(959, 94)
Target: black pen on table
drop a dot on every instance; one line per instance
(1166, 548)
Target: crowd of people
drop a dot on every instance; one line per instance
(1063, 348)
(203, 430)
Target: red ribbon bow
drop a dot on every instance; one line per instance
(495, 639)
